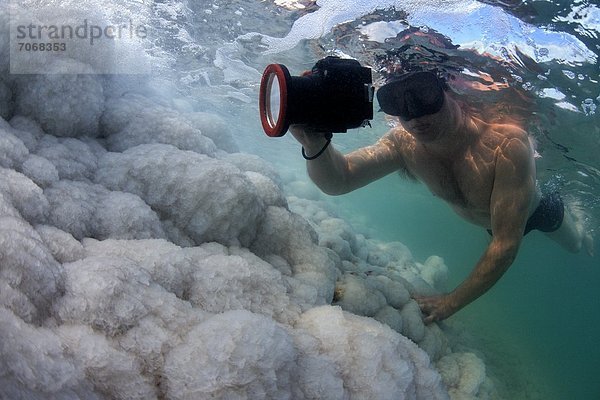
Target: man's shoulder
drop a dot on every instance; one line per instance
(513, 142)
(499, 134)
(510, 131)
(509, 139)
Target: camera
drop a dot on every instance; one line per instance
(336, 95)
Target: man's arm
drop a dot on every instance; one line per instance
(512, 194)
(335, 173)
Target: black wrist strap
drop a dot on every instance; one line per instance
(328, 137)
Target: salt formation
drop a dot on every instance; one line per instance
(142, 257)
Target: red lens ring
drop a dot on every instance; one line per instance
(283, 76)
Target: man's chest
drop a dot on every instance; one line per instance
(466, 182)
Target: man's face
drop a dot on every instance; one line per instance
(425, 129)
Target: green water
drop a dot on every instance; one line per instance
(537, 327)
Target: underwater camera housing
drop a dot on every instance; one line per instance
(336, 95)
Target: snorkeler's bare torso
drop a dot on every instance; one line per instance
(465, 178)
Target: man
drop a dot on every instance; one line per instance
(485, 172)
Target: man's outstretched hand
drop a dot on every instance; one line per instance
(436, 308)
